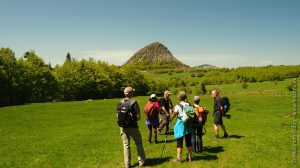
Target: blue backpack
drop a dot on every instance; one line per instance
(225, 104)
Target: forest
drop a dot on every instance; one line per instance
(29, 79)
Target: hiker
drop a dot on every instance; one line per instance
(181, 130)
(218, 112)
(128, 113)
(152, 111)
(199, 122)
(166, 107)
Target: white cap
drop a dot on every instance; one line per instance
(153, 96)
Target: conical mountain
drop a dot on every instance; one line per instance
(155, 56)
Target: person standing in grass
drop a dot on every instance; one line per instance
(181, 130)
(152, 111)
(166, 105)
(128, 113)
(218, 111)
(199, 122)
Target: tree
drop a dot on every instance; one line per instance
(68, 57)
(8, 65)
(41, 84)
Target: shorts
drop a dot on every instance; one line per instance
(218, 118)
(188, 141)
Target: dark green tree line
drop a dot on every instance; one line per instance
(28, 79)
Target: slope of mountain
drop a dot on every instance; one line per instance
(155, 56)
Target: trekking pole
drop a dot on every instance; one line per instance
(164, 146)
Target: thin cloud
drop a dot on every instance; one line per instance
(117, 57)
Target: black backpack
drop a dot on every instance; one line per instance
(126, 116)
(225, 104)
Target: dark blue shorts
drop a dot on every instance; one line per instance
(218, 118)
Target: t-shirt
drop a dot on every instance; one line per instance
(166, 103)
(178, 109)
(217, 104)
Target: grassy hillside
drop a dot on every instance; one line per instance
(85, 133)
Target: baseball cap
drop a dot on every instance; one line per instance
(128, 90)
(153, 96)
(167, 93)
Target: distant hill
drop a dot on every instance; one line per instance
(205, 66)
(155, 56)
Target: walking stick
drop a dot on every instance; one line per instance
(166, 139)
(164, 146)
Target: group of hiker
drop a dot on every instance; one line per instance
(190, 119)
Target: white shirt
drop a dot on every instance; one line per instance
(178, 109)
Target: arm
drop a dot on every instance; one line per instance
(165, 111)
(137, 110)
(118, 110)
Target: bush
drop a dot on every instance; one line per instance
(244, 85)
(290, 86)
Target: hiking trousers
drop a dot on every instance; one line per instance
(164, 123)
(197, 139)
(126, 134)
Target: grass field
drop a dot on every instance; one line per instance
(85, 133)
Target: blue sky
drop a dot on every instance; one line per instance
(224, 33)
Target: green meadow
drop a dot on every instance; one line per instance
(85, 133)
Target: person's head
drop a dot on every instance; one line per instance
(214, 93)
(196, 99)
(182, 96)
(153, 98)
(167, 94)
(128, 92)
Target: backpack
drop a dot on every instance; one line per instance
(203, 113)
(125, 115)
(151, 109)
(225, 104)
(188, 114)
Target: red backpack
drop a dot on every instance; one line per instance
(151, 109)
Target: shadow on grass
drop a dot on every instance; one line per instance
(216, 149)
(154, 161)
(205, 157)
(236, 136)
(163, 141)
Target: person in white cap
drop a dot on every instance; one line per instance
(128, 113)
(152, 111)
(166, 106)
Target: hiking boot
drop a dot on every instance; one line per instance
(225, 135)
(141, 163)
(217, 137)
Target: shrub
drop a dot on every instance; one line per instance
(244, 85)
